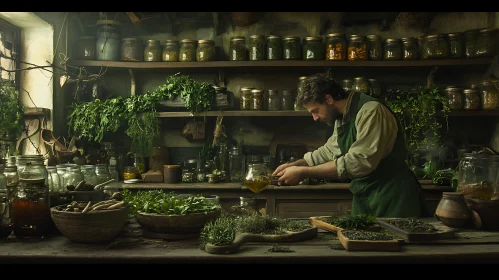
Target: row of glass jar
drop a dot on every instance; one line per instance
(364, 85)
(485, 97)
(269, 100)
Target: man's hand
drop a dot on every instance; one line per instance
(291, 175)
(280, 168)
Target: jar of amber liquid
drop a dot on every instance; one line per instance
(336, 46)
(245, 99)
(187, 50)
(357, 48)
(256, 99)
(170, 51)
(471, 99)
(375, 47)
(205, 50)
(392, 50)
(130, 172)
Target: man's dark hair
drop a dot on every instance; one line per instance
(315, 87)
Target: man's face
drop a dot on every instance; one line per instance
(324, 112)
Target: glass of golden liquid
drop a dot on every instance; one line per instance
(258, 177)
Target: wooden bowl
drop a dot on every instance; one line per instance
(188, 223)
(95, 227)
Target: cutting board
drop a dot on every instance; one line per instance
(443, 232)
(318, 222)
(369, 245)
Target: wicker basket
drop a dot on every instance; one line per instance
(97, 227)
(488, 210)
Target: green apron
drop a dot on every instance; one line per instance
(392, 189)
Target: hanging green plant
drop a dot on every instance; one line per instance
(11, 114)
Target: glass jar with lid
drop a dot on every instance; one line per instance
(313, 48)
(273, 101)
(288, 100)
(360, 84)
(187, 50)
(470, 40)
(336, 46)
(256, 99)
(455, 98)
(357, 48)
(456, 44)
(170, 51)
(274, 47)
(187, 176)
(486, 42)
(237, 49)
(256, 47)
(89, 175)
(410, 48)
(246, 98)
(392, 49)
(102, 173)
(31, 167)
(291, 48)
(205, 50)
(71, 178)
(374, 88)
(478, 175)
(375, 47)
(471, 99)
(489, 95)
(132, 49)
(258, 177)
(347, 84)
(237, 164)
(437, 46)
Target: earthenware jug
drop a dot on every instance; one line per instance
(453, 211)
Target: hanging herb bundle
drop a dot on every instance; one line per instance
(92, 120)
(11, 113)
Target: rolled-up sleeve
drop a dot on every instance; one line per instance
(376, 134)
(328, 152)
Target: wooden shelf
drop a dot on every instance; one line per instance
(281, 63)
(241, 113)
(478, 113)
(36, 112)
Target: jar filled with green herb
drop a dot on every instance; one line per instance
(422, 47)
(392, 49)
(357, 48)
(205, 50)
(486, 42)
(313, 48)
(489, 95)
(287, 100)
(132, 49)
(375, 47)
(274, 47)
(410, 48)
(256, 99)
(237, 49)
(256, 47)
(470, 38)
(273, 101)
(246, 98)
(291, 46)
(456, 43)
(336, 46)
(187, 50)
(152, 50)
(471, 99)
(455, 98)
(170, 50)
(437, 46)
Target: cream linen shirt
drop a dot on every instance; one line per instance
(376, 133)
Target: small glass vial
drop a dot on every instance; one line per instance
(274, 47)
(455, 98)
(187, 176)
(152, 50)
(336, 46)
(291, 47)
(375, 47)
(205, 50)
(170, 51)
(187, 50)
(256, 99)
(357, 48)
(410, 48)
(246, 98)
(489, 95)
(287, 101)
(256, 47)
(456, 43)
(237, 49)
(471, 99)
(313, 48)
(273, 101)
(392, 50)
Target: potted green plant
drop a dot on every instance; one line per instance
(11, 118)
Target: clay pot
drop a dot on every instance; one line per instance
(453, 211)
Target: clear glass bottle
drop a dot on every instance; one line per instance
(336, 46)
(187, 50)
(273, 101)
(455, 98)
(102, 173)
(246, 98)
(375, 47)
(256, 99)
(170, 51)
(223, 158)
(313, 48)
(471, 99)
(360, 84)
(489, 95)
(89, 174)
(288, 100)
(256, 47)
(237, 49)
(237, 164)
(410, 48)
(258, 177)
(357, 48)
(456, 43)
(291, 48)
(5, 206)
(205, 50)
(274, 47)
(392, 49)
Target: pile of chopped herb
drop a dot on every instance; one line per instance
(412, 225)
(360, 221)
(366, 235)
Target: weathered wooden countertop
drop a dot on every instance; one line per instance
(131, 247)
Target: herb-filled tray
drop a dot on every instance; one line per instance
(330, 223)
(360, 240)
(412, 229)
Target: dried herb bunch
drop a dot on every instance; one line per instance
(412, 225)
(360, 221)
(366, 235)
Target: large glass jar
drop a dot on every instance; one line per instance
(375, 47)
(31, 167)
(72, 177)
(237, 49)
(187, 50)
(486, 42)
(410, 48)
(256, 47)
(287, 101)
(246, 98)
(313, 49)
(456, 44)
(132, 49)
(274, 47)
(31, 209)
(256, 99)
(237, 164)
(478, 175)
(470, 40)
(258, 177)
(85, 48)
(291, 48)
(455, 98)
(489, 95)
(89, 174)
(336, 46)
(437, 46)
(205, 50)
(152, 50)
(170, 51)
(102, 173)
(5, 206)
(471, 99)
(108, 43)
(357, 48)
(392, 49)
(273, 101)
(360, 84)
